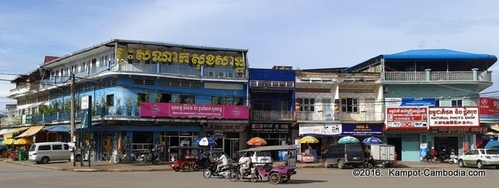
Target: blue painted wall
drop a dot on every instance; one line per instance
(271, 75)
(125, 90)
(445, 93)
(277, 96)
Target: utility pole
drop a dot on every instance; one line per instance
(72, 125)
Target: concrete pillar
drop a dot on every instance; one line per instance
(129, 139)
(475, 74)
(428, 77)
(243, 138)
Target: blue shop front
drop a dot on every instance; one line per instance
(110, 139)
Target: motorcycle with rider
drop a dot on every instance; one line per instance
(219, 167)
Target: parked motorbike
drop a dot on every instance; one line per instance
(212, 171)
(150, 157)
(452, 158)
(369, 162)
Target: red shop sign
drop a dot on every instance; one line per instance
(489, 106)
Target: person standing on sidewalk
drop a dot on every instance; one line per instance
(433, 155)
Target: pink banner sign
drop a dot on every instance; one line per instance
(178, 110)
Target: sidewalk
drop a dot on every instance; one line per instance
(109, 167)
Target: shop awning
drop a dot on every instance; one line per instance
(31, 131)
(15, 130)
(78, 126)
(3, 131)
(57, 128)
(495, 127)
(9, 141)
(8, 135)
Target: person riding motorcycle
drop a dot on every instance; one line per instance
(224, 162)
(244, 163)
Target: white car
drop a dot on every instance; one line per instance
(479, 158)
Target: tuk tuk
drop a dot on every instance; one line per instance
(185, 157)
(263, 167)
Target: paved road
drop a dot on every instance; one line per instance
(12, 175)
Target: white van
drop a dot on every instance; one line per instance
(44, 152)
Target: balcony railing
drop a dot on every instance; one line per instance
(24, 89)
(52, 118)
(272, 115)
(411, 76)
(316, 116)
(9, 121)
(19, 90)
(97, 113)
(154, 68)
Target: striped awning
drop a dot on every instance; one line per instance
(31, 131)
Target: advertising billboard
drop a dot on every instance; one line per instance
(406, 118)
(453, 116)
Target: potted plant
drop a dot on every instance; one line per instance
(158, 96)
(118, 106)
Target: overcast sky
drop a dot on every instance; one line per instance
(302, 34)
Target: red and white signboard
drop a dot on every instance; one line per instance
(489, 107)
(453, 116)
(406, 118)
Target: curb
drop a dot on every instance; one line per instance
(167, 169)
(33, 165)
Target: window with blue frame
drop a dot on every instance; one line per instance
(457, 102)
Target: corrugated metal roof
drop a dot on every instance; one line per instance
(427, 55)
(437, 54)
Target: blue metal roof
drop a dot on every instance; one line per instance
(437, 54)
(427, 55)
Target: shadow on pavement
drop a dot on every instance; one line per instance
(298, 181)
(292, 181)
